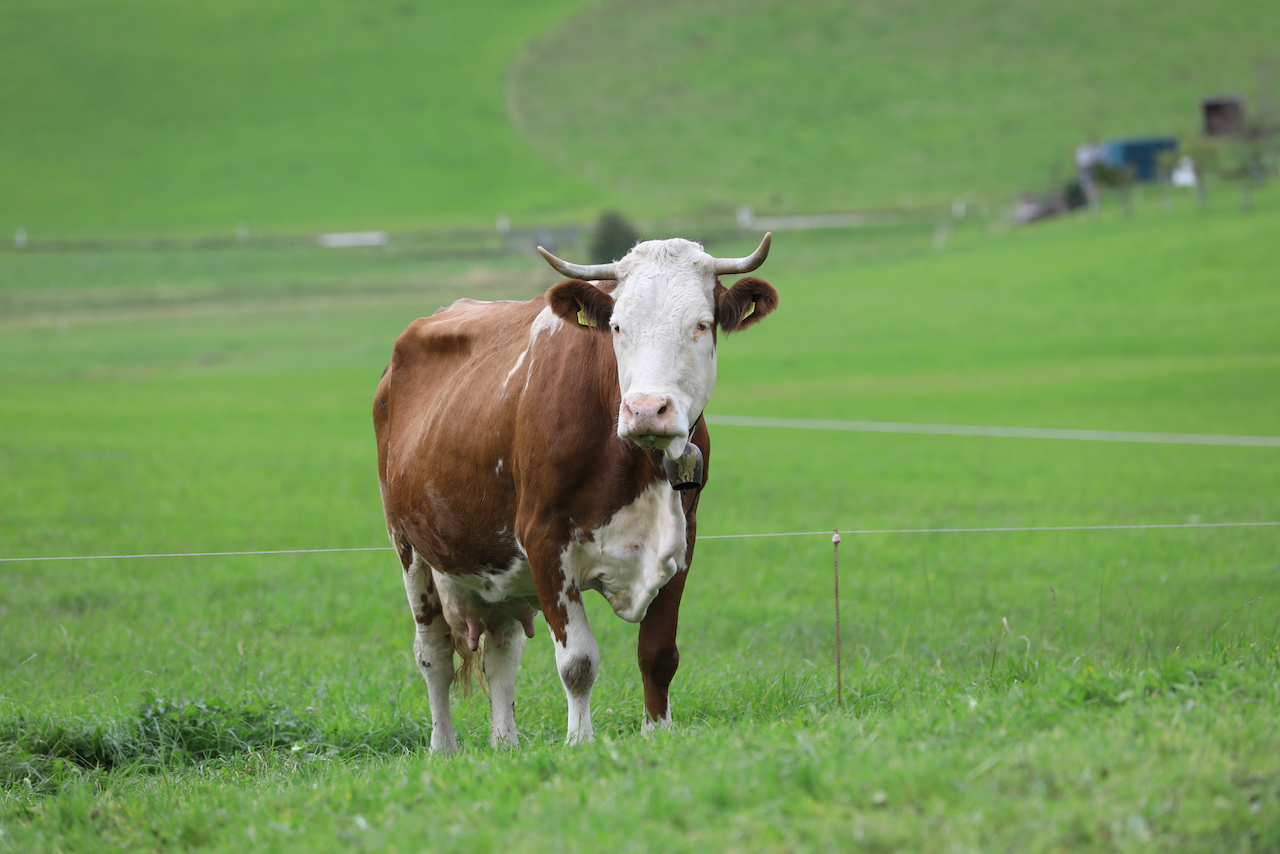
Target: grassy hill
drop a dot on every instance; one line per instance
(139, 116)
(145, 117)
(828, 104)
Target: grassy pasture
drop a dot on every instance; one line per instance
(1033, 691)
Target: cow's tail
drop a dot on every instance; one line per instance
(472, 668)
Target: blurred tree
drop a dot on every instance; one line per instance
(1250, 154)
(614, 238)
(1262, 127)
(1119, 178)
(1074, 195)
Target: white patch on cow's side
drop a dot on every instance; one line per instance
(528, 376)
(631, 557)
(546, 321)
(497, 470)
(516, 367)
(648, 724)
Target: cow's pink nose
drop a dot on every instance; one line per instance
(648, 413)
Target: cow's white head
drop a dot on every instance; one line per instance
(663, 316)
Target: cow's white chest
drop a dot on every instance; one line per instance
(633, 555)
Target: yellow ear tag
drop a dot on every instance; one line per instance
(583, 320)
(751, 309)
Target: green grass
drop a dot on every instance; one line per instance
(1078, 691)
(1098, 323)
(1085, 761)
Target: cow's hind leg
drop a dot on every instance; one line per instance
(502, 651)
(432, 650)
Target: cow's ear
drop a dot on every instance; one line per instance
(581, 304)
(745, 304)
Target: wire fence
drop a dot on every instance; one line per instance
(826, 533)
(996, 432)
(852, 426)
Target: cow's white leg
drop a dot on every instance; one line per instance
(433, 652)
(500, 666)
(578, 661)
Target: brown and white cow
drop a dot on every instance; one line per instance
(521, 456)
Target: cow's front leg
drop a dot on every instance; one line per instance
(577, 657)
(658, 655)
(578, 661)
(502, 651)
(432, 651)
(656, 651)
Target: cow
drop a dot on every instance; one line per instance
(531, 451)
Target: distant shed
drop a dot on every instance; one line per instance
(1223, 115)
(1139, 155)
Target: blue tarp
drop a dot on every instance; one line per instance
(1139, 154)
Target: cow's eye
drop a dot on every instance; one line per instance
(617, 330)
(703, 326)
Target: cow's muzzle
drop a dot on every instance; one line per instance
(648, 415)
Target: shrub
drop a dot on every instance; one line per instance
(614, 238)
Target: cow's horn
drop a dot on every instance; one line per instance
(731, 266)
(589, 272)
